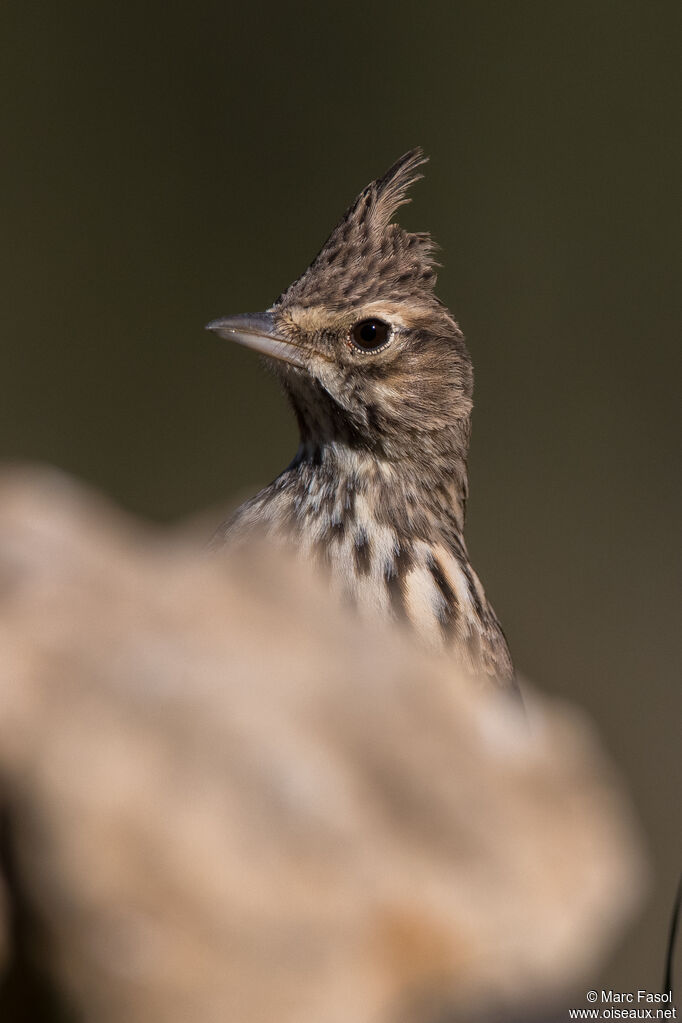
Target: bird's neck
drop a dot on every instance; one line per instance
(415, 498)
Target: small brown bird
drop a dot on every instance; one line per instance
(380, 380)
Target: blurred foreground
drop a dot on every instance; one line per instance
(225, 799)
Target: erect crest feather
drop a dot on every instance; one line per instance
(368, 257)
(389, 192)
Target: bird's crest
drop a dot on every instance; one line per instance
(367, 256)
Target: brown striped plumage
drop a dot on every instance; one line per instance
(379, 377)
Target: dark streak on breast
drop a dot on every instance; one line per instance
(463, 562)
(395, 580)
(338, 529)
(448, 608)
(362, 553)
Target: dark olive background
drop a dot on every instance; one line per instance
(165, 163)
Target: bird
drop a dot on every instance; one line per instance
(380, 380)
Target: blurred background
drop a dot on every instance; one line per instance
(164, 164)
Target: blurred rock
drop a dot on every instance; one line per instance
(230, 800)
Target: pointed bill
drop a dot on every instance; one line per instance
(258, 331)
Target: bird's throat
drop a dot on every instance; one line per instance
(346, 483)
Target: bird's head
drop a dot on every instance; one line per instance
(367, 354)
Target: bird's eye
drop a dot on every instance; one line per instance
(370, 335)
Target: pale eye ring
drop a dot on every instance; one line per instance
(370, 335)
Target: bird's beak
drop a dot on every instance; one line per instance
(258, 331)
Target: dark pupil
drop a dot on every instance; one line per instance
(370, 333)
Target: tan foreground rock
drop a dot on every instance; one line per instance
(229, 801)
